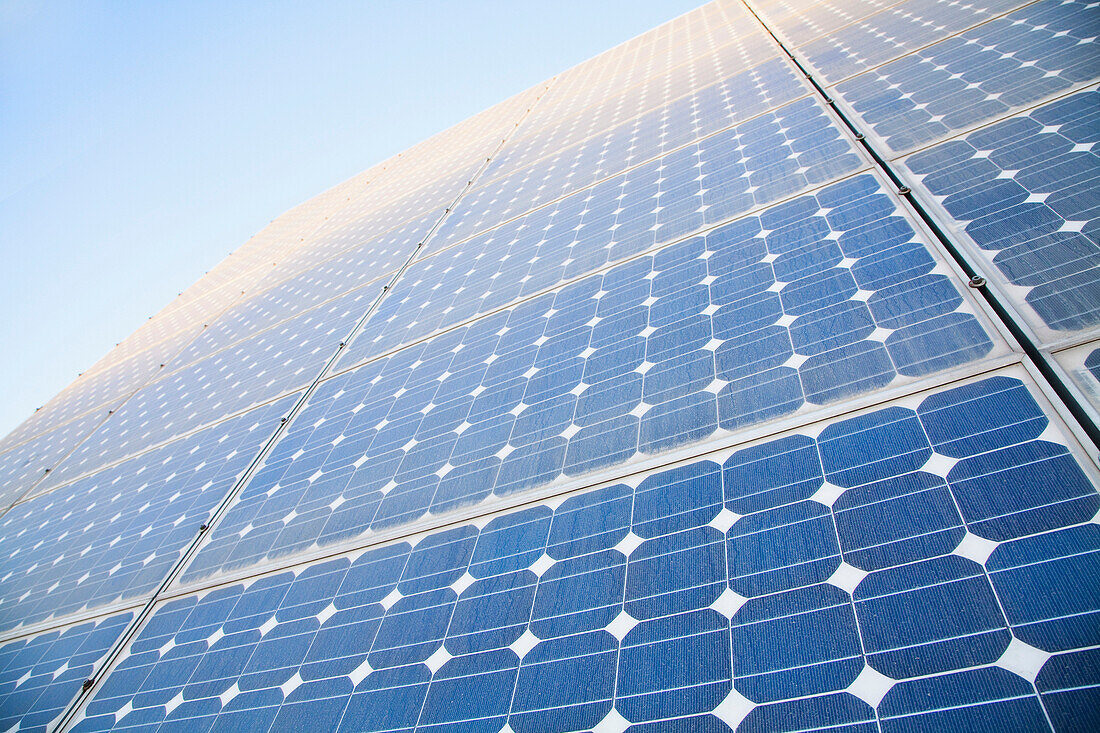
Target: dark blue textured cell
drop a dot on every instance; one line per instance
(1049, 588)
(826, 658)
(964, 700)
(674, 666)
(897, 520)
(1022, 489)
(873, 447)
(934, 616)
(1070, 686)
(781, 549)
(772, 474)
(958, 427)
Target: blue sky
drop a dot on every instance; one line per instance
(144, 141)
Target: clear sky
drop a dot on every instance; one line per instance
(141, 142)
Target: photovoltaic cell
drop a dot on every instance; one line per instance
(987, 72)
(817, 299)
(115, 534)
(1024, 189)
(41, 674)
(930, 566)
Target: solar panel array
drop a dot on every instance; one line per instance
(653, 398)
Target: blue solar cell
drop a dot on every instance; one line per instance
(1023, 189)
(114, 535)
(1069, 685)
(39, 675)
(712, 594)
(974, 698)
(650, 355)
(980, 75)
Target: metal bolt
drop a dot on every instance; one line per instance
(87, 684)
(977, 282)
(904, 190)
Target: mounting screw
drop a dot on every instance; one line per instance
(87, 684)
(977, 282)
(859, 136)
(829, 100)
(282, 420)
(204, 527)
(47, 470)
(904, 191)
(342, 344)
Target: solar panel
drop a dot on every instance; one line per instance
(902, 590)
(39, 675)
(115, 534)
(653, 398)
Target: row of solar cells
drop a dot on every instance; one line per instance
(930, 566)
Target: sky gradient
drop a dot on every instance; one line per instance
(143, 142)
